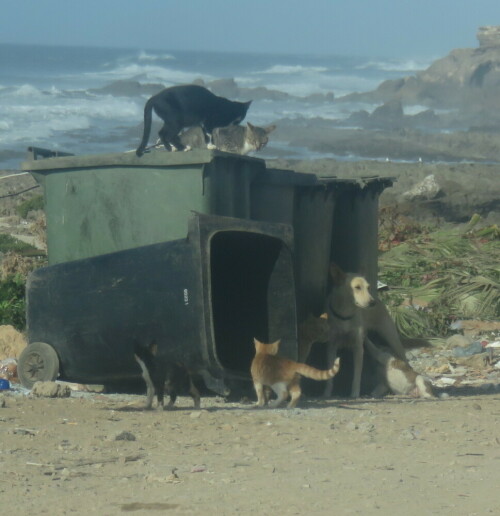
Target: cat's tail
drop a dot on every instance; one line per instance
(144, 354)
(380, 356)
(317, 374)
(148, 117)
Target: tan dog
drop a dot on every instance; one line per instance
(348, 297)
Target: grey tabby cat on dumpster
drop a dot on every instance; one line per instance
(237, 139)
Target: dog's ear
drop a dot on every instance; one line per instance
(336, 273)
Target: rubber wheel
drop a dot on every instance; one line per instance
(37, 363)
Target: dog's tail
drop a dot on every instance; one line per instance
(148, 118)
(317, 374)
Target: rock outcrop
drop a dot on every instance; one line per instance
(466, 80)
(489, 36)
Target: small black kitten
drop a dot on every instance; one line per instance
(163, 375)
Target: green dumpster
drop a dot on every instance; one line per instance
(104, 203)
(333, 220)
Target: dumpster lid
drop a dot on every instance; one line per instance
(159, 158)
(285, 176)
(362, 181)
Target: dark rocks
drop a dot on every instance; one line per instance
(466, 80)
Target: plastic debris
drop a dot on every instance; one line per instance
(473, 349)
(4, 384)
(8, 370)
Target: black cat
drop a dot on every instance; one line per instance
(161, 374)
(186, 106)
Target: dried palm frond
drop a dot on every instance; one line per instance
(455, 273)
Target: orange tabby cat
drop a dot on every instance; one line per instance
(281, 374)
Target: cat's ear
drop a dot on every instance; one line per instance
(247, 104)
(269, 128)
(250, 126)
(257, 344)
(274, 347)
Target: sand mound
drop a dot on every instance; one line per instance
(12, 342)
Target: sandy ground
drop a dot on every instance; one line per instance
(104, 454)
(392, 456)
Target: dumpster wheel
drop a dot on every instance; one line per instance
(37, 363)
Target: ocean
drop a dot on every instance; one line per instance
(50, 98)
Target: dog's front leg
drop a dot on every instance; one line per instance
(331, 355)
(358, 365)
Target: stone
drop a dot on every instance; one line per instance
(50, 390)
(458, 341)
(125, 436)
(425, 190)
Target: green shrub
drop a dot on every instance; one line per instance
(10, 244)
(13, 302)
(35, 203)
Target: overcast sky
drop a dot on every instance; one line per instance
(385, 28)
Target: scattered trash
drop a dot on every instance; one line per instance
(198, 469)
(444, 381)
(479, 361)
(458, 341)
(472, 349)
(8, 370)
(4, 384)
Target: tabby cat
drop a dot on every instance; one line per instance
(281, 374)
(237, 139)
